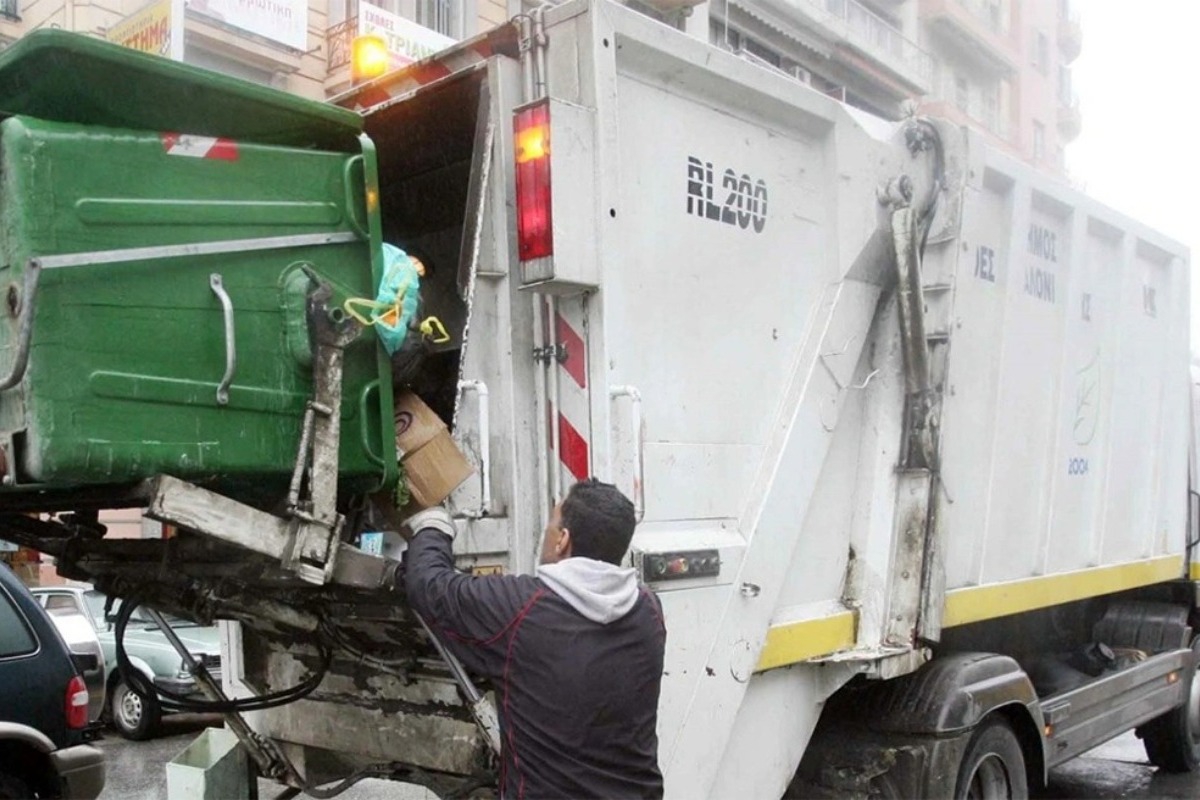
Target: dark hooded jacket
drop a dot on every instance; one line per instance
(576, 658)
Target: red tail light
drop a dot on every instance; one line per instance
(77, 703)
(531, 129)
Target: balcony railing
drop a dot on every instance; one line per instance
(338, 39)
(1070, 37)
(987, 13)
(877, 37)
(983, 115)
(1070, 118)
(9, 9)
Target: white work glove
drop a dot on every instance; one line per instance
(436, 518)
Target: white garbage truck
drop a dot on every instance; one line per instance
(907, 424)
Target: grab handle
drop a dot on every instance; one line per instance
(365, 415)
(635, 413)
(218, 287)
(485, 452)
(355, 192)
(25, 300)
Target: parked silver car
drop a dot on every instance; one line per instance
(148, 651)
(77, 631)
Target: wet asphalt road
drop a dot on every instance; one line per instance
(1119, 769)
(136, 771)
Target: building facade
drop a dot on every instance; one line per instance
(1002, 66)
(301, 46)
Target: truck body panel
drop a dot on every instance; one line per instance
(1066, 353)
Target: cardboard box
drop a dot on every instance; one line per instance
(416, 424)
(433, 464)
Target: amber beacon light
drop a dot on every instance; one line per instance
(369, 57)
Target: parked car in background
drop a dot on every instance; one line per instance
(148, 650)
(79, 633)
(43, 706)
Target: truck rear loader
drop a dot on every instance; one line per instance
(908, 425)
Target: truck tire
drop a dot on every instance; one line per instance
(13, 788)
(1172, 741)
(134, 717)
(993, 766)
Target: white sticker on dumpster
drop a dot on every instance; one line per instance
(182, 144)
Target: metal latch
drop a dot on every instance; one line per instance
(556, 352)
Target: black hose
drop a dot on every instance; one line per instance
(144, 687)
(930, 139)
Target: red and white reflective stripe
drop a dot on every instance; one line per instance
(500, 40)
(574, 412)
(184, 144)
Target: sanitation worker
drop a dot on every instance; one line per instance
(575, 652)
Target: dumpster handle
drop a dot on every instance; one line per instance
(359, 225)
(364, 413)
(218, 287)
(33, 269)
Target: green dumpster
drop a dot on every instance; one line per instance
(161, 229)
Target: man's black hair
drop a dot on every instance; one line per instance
(600, 519)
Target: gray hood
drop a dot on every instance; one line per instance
(600, 591)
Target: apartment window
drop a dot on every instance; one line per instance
(995, 16)
(1039, 141)
(341, 10)
(738, 42)
(962, 93)
(1041, 52)
(1064, 85)
(760, 50)
(438, 15)
(990, 106)
(442, 16)
(721, 34)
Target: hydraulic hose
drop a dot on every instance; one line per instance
(145, 688)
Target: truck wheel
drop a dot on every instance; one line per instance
(993, 767)
(133, 717)
(13, 788)
(1172, 741)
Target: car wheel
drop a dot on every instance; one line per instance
(133, 716)
(13, 788)
(993, 767)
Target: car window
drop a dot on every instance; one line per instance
(15, 637)
(58, 604)
(95, 603)
(95, 606)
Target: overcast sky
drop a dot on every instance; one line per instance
(1140, 147)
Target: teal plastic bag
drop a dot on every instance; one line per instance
(394, 308)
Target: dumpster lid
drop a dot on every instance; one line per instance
(67, 77)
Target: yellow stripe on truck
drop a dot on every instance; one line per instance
(977, 603)
(811, 638)
(1194, 572)
(804, 640)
